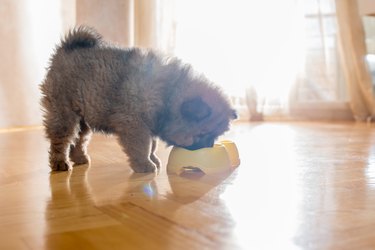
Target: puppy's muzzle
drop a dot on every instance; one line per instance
(200, 145)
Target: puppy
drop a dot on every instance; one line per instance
(139, 95)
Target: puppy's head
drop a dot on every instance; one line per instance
(203, 123)
(199, 114)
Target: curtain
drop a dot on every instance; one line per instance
(31, 29)
(274, 58)
(277, 59)
(141, 23)
(250, 48)
(28, 32)
(353, 51)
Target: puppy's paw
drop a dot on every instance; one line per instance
(61, 166)
(80, 159)
(145, 167)
(78, 155)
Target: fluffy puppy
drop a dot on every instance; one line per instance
(138, 95)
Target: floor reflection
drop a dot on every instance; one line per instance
(80, 200)
(190, 187)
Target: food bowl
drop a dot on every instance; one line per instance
(232, 153)
(221, 157)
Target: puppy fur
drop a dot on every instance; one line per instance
(138, 95)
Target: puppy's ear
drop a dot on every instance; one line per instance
(195, 109)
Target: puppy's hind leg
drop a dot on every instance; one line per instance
(62, 131)
(78, 150)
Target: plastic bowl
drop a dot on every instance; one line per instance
(232, 153)
(221, 157)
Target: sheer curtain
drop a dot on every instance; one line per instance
(32, 28)
(281, 58)
(28, 32)
(248, 47)
(354, 51)
(276, 59)
(141, 23)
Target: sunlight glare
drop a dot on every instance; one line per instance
(264, 200)
(252, 44)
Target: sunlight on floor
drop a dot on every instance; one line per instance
(273, 212)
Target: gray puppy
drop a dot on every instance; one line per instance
(138, 95)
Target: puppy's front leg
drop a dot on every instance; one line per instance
(138, 145)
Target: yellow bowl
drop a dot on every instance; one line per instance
(232, 151)
(221, 157)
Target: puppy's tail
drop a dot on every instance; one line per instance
(81, 37)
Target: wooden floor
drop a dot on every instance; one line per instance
(299, 186)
